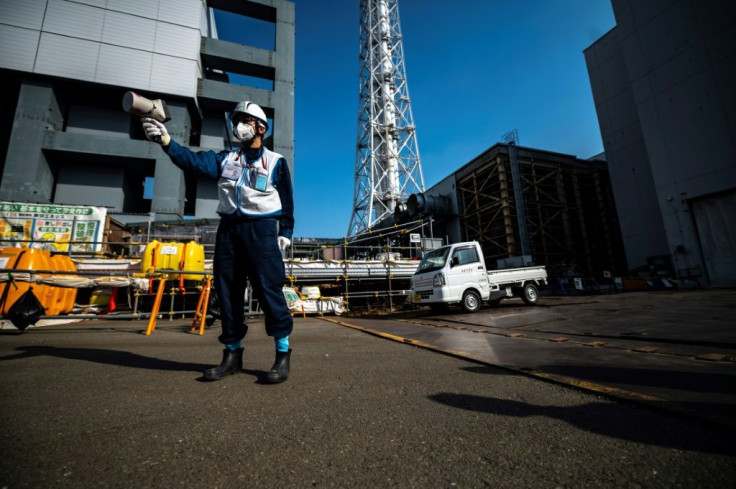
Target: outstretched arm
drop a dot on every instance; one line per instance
(202, 162)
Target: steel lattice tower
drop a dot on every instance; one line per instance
(387, 165)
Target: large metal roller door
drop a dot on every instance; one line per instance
(715, 218)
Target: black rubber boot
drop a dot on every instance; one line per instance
(280, 370)
(232, 363)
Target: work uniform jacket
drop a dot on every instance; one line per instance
(252, 184)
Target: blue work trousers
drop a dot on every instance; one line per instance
(249, 250)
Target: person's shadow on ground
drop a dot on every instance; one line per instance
(605, 418)
(119, 358)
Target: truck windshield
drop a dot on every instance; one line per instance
(434, 260)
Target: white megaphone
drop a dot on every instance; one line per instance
(141, 106)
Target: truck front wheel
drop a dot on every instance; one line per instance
(471, 301)
(530, 294)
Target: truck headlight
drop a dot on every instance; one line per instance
(439, 279)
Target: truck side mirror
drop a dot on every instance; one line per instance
(455, 261)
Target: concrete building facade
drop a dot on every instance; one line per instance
(66, 65)
(664, 86)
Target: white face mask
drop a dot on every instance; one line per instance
(244, 132)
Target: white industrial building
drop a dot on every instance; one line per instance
(664, 86)
(66, 64)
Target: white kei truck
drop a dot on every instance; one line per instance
(457, 274)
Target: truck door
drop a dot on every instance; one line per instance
(467, 270)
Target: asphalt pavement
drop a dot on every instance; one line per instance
(674, 351)
(97, 404)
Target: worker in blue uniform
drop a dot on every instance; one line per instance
(256, 209)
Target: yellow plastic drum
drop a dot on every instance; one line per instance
(187, 257)
(149, 254)
(174, 256)
(162, 256)
(193, 260)
(169, 256)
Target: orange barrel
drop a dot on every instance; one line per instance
(66, 296)
(56, 294)
(23, 259)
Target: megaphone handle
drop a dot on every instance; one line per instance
(157, 139)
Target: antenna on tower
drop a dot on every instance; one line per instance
(387, 164)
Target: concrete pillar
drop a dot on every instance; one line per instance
(207, 198)
(28, 175)
(213, 133)
(169, 188)
(283, 130)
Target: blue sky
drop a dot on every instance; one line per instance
(476, 69)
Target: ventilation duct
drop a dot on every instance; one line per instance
(419, 203)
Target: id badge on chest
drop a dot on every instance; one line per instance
(261, 179)
(232, 171)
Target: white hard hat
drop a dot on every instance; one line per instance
(251, 109)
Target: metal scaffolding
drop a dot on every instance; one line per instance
(569, 214)
(387, 164)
